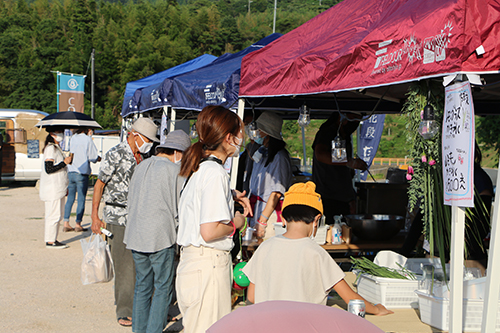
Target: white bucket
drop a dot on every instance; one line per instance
(279, 229)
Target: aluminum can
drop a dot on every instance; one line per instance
(357, 307)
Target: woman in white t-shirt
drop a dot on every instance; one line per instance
(53, 187)
(206, 220)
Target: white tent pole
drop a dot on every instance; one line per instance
(235, 162)
(304, 152)
(490, 305)
(173, 114)
(456, 268)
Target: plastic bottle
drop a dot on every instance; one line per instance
(337, 231)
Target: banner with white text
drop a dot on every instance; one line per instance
(369, 139)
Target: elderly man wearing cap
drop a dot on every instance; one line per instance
(151, 231)
(113, 184)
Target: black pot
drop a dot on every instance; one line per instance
(376, 226)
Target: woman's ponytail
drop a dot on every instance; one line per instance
(191, 159)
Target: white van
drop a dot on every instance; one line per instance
(22, 144)
(103, 143)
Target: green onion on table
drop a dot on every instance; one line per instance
(368, 267)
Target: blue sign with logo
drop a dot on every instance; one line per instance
(71, 82)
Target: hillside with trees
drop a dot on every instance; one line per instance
(134, 39)
(131, 40)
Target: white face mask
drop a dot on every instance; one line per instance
(313, 235)
(237, 146)
(59, 137)
(146, 146)
(178, 162)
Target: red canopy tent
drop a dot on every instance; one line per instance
(358, 49)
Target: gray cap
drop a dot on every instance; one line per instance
(270, 123)
(177, 140)
(146, 127)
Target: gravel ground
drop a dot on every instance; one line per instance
(40, 288)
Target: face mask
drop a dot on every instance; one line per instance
(178, 162)
(313, 235)
(146, 146)
(237, 146)
(59, 137)
(259, 140)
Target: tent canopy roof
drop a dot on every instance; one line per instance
(363, 52)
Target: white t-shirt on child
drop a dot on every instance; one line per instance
(292, 270)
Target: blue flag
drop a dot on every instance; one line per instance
(70, 92)
(369, 139)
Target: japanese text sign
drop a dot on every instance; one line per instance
(369, 139)
(458, 146)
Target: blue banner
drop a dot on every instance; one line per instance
(70, 92)
(71, 82)
(369, 139)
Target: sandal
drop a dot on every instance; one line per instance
(68, 229)
(80, 229)
(125, 321)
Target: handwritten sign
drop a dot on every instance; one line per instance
(33, 148)
(458, 146)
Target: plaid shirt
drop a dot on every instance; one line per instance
(116, 171)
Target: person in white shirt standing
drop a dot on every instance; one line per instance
(207, 221)
(84, 151)
(53, 186)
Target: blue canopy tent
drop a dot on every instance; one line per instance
(133, 89)
(214, 84)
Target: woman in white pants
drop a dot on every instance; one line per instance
(207, 220)
(53, 187)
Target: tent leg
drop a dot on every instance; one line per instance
(304, 146)
(456, 268)
(490, 305)
(235, 160)
(173, 114)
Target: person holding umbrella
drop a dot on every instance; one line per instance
(54, 186)
(113, 182)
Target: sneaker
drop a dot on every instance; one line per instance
(56, 245)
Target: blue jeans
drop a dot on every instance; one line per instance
(154, 273)
(77, 183)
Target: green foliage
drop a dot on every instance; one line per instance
(425, 191)
(393, 141)
(292, 135)
(132, 39)
(488, 133)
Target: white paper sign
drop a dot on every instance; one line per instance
(458, 146)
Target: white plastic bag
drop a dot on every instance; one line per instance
(97, 265)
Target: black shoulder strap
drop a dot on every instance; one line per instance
(209, 158)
